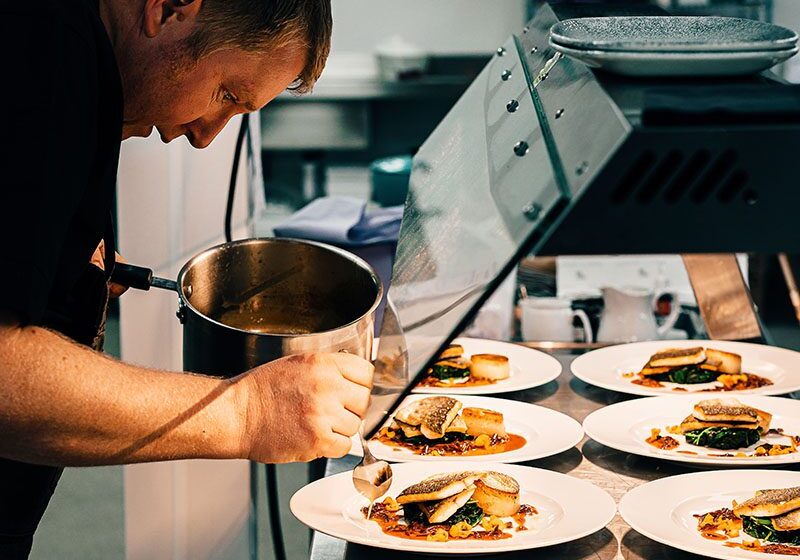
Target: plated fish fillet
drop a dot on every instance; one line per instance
(438, 487)
(431, 415)
(770, 503)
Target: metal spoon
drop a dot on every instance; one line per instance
(371, 477)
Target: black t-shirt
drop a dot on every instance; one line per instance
(61, 103)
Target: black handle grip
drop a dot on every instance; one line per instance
(132, 276)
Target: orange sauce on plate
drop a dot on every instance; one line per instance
(721, 524)
(463, 448)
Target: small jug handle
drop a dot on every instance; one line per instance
(588, 335)
(674, 313)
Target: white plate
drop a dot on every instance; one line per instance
(625, 426)
(605, 367)
(662, 510)
(529, 368)
(672, 33)
(569, 508)
(659, 64)
(547, 432)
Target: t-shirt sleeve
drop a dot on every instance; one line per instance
(45, 156)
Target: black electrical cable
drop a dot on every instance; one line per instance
(237, 154)
(274, 509)
(273, 500)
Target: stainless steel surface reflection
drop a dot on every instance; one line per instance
(611, 470)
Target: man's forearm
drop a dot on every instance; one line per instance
(63, 404)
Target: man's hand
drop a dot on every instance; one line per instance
(98, 259)
(303, 407)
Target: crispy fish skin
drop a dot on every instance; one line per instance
(435, 425)
(770, 503)
(441, 511)
(408, 430)
(672, 357)
(725, 414)
(690, 423)
(647, 370)
(458, 425)
(724, 410)
(440, 496)
(432, 415)
(438, 487)
(452, 351)
(787, 522)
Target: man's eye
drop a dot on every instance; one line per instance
(228, 97)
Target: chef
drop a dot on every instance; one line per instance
(79, 76)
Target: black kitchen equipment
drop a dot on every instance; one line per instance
(140, 278)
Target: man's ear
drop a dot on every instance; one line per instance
(160, 13)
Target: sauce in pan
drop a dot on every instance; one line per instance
(253, 321)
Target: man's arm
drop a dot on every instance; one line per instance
(64, 404)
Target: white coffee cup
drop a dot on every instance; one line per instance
(550, 319)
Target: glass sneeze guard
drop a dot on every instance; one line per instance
(482, 190)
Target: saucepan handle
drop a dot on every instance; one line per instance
(140, 278)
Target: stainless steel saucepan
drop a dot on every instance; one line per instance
(251, 301)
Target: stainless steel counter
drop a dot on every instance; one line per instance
(611, 470)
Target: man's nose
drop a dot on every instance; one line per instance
(201, 136)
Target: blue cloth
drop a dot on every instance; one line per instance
(343, 221)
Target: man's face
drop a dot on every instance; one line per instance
(166, 89)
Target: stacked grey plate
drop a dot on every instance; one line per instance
(674, 45)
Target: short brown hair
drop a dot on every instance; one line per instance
(257, 25)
